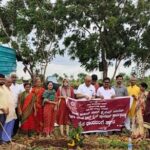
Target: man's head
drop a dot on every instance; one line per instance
(14, 77)
(88, 80)
(94, 79)
(143, 86)
(8, 81)
(2, 79)
(106, 82)
(119, 79)
(133, 80)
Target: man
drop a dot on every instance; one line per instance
(10, 118)
(3, 105)
(94, 81)
(134, 91)
(120, 91)
(119, 88)
(106, 92)
(16, 89)
(86, 90)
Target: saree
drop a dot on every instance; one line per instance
(49, 111)
(26, 103)
(147, 114)
(63, 111)
(38, 92)
(138, 124)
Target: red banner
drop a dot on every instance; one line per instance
(99, 115)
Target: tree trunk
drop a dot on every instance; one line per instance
(104, 64)
(116, 68)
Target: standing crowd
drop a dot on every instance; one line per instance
(36, 109)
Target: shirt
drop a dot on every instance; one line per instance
(11, 105)
(22, 89)
(133, 90)
(16, 89)
(3, 99)
(86, 90)
(120, 91)
(106, 93)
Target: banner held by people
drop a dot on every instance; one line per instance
(99, 115)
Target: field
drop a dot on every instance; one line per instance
(92, 142)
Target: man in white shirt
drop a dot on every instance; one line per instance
(106, 92)
(86, 90)
(16, 89)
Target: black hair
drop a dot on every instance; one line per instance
(144, 85)
(25, 84)
(94, 77)
(106, 79)
(119, 76)
(49, 82)
(2, 76)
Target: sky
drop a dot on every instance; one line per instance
(62, 65)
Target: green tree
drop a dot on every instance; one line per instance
(103, 33)
(33, 28)
(81, 77)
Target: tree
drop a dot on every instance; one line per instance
(81, 77)
(103, 33)
(33, 28)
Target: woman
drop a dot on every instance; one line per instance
(38, 91)
(26, 109)
(50, 107)
(147, 114)
(63, 92)
(138, 128)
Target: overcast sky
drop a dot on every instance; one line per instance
(62, 65)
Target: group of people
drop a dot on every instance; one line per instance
(35, 108)
(138, 117)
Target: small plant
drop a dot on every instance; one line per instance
(76, 139)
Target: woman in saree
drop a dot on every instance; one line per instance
(138, 128)
(147, 114)
(26, 109)
(63, 92)
(50, 107)
(38, 91)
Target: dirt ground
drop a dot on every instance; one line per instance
(91, 142)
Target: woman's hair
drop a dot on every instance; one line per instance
(49, 82)
(25, 84)
(144, 85)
